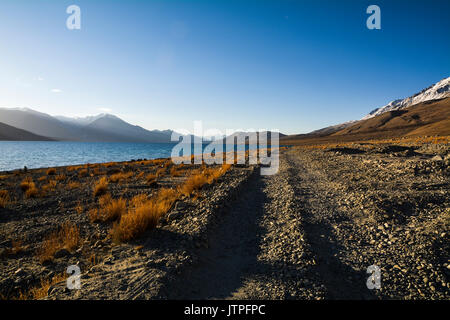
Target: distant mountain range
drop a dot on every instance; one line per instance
(424, 113)
(101, 128)
(428, 109)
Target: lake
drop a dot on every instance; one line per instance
(41, 154)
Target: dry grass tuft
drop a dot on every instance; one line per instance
(30, 189)
(206, 176)
(41, 291)
(161, 172)
(110, 209)
(151, 178)
(83, 173)
(26, 184)
(120, 176)
(51, 171)
(67, 237)
(143, 216)
(174, 172)
(60, 177)
(100, 187)
(73, 185)
(4, 198)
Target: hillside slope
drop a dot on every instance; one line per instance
(11, 133)
(429, 118)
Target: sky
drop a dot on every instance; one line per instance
(295, 66)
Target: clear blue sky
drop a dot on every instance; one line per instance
(291, 65)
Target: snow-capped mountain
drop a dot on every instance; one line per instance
(439, 90)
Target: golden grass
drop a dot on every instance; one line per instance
(51, 171)
(67, 237)
(73, 185)
(83, 173)
(120, 176)
(206, 176)
(41, 291)
(97, 172)
(43, 178)
(3, 177)
(144, 216)
(100, 187)
(160, 172)
(138, 200)
(30, 189)
(151, 178)
(4, 198)
(140, 175)
(109, 210)
(174, 172)
(60, 177)
(26, 184)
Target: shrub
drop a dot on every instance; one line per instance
(26, 184)
(41, 291)
(160, 172)
(50, 186)
(174, 172)
(120, 176)
(4, 198)
(33, 192)
(67, 237)
(197, 180)
(100, 187)
(144, 216)
(83, 173)
(60, 177)
(151, 178)
(29, 188)
(73, 185)
(51, 171)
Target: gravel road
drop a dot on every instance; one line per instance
(301, 234)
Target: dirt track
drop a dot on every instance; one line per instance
(295, 236)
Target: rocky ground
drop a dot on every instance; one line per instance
(308, 232)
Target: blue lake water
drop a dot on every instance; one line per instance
(41, 154)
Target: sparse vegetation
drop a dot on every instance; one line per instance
(41, 291)
(151, 178)
(117, 177)
(67, 237)
(4, 198)
(109, 209)
(100, 187)
(144, 216)
(83, 173)
(30, 189)
(73, 185)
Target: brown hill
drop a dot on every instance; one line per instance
(430, 118)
